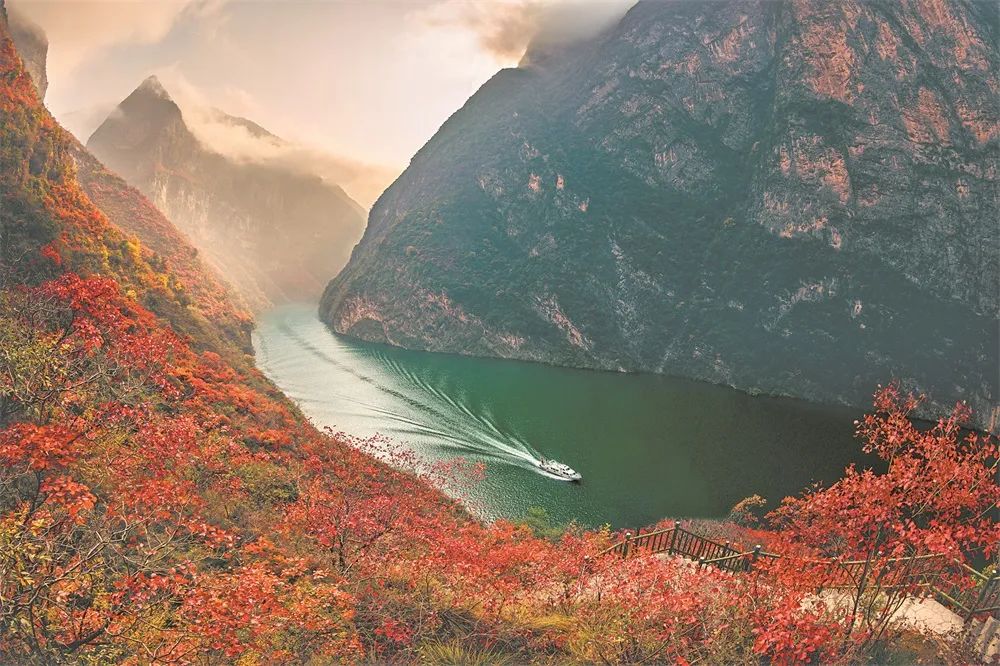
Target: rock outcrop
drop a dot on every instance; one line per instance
(275, 233)
(127, 240)
(792, 197)
(33, 47)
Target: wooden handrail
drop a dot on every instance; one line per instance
(655, 532)
(972, 572)
(629, 539)
(720, 561)
(725, 556)
(929, 556)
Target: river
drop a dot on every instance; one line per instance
(648, 446)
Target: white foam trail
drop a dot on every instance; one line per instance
(453, 422)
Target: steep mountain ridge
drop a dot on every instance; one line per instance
(33, 47)
(205, 310)
(791, 197)
(160, 504)
(148, 478)
(267, 229)
(195, 283)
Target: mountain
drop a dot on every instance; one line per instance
(162, 502)
(149, 481)
(219, 309)
(277, 234)
(33, 47)
(204, 310)
(798, 198)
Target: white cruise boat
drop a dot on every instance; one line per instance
(559, 469)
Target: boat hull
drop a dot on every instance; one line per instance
(567, 474)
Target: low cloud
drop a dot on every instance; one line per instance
(233, 134)
(506, 29)
(246, 143)
(79, 30)
(26, 24)
(502, 28)
(81, 123)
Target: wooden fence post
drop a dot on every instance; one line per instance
(756, 554)
(673, 537)
(628, 544)
(987, 588)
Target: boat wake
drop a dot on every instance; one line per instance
(367, 392)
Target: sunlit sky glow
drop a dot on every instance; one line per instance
(366, 80)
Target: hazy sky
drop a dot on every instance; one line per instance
(367, 80)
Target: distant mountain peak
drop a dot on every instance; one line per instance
(255, 130)
(276, 233)
(142, 120)
(149, 103)
(151, 85)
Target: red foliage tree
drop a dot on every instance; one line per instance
(935, 504)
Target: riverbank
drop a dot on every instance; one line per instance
(647, 445)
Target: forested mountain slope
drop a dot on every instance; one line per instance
(161, 502)
(275, 233)
(158, 497)
(792, 197)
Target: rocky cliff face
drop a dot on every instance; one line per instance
(275, 234)
(49, 184)
(202, 309)
(791, 197)
(33, 47)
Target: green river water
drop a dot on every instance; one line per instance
(647, 446)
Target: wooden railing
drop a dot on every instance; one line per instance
(678, 541)
(981, 598)
(966, 591)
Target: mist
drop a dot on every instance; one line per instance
(509, 29)
(362, 85)
(363, 182)
(242, 139)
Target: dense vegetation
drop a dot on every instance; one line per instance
(219, 310)
(753, 194)
(160, 502)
